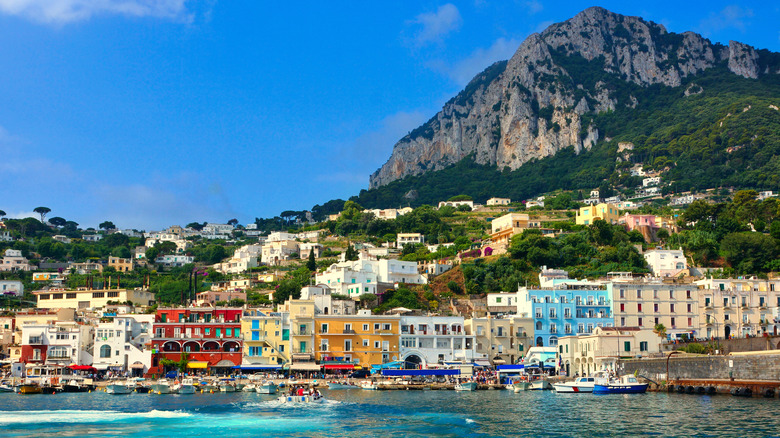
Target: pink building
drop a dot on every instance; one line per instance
(634, 221)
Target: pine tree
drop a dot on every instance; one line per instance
(311, 264)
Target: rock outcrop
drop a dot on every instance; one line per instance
(537, 102)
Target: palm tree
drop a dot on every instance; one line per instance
(43, 211)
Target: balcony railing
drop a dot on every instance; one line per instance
(302, 351)
(348, 332)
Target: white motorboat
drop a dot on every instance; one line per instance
(162, 386)
(367, 384)
(227, 387)
(267, 388)
(580, 384)
(466, 386)
(187, 386)
(311, 396)
(627, 384)
(540, 384)
(120, 388)
(249, 388)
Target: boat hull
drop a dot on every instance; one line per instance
(300, 399)
(332, 385)
(521, 386)
(30, 389)
(161, 389)
(267, 389)
(640, 388)
(118, 389)
(467, 386)
(227, 388)
(185, 389)
(540, 385)
(573, 389)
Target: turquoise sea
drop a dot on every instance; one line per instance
(359, 413)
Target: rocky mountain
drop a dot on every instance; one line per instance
(545, 98)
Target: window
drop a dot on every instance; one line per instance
(671, 308)
(639, 307)
(640, 322)
(639, 294)
(643, 346)
(365, 327)
(655, 294)
(655, 307)
(690, 322)
(376, 345)
(622, 293)
(673, 324)
(324, 328)
(622, 307)
(538, 312)
(622, 321)
(255, 324)
(70, 295)
(105, 351)
(347, 345)
(688, 294)
(690, 307)
(553, 328)
(365, 342)
(385, 327)
(627, 346)
(552, 313)
(255, 335)
(671, 294)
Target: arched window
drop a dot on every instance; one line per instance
(539, 342)
(538, 325)
(105, 351)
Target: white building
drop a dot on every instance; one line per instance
(306, 248)
(120, 344)
(58, 343)
(14, 261)
(666, 262)
(278, 236)
(243, 259)
(274, 252)
(11, 287)
(355, 278)
(388, 213)
(92, 237)
(651, 181)
(431, 340)
(174, 261)
(62, 239)
(409, 239)
(155, 238)
(217, 229)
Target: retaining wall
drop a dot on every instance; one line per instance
(758, 367)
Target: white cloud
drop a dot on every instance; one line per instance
(461, 72)
(533, 6)
(732, 16)
(434, 26)
(67, 11)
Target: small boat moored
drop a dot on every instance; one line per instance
(367, 384)
(466, 386)
(627, 384)
(267, 388)
(581, 384)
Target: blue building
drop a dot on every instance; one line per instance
(565, 310)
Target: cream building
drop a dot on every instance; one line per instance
(266, 339)
(498, 201)
(501, 340)
(600, 351)
(90, 298)
(739, 307)
(667, 262)
(646, 304)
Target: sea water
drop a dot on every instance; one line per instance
(359, 413)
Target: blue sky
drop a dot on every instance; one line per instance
(150, 113)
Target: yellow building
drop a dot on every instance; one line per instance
(266, 339)
(605, 212)
(120, 264)
(301, 314)
(345, 342)
(508, 225)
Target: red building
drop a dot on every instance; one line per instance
(211, 337)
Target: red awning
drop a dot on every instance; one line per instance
(339, 367)
(82, 368)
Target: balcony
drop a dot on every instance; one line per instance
(567, 316)
(302, 351)
(348, 332)
(302, 332)
(384, 332)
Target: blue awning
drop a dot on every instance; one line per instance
(400, 373)
(510, 368)
(257, 367)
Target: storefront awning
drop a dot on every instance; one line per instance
(137, 366)
(224, 363)
(434, 372)
(339, 367)
(258, 367)
(82, 368)
(483, 363)
(199, 365)
(304, 367)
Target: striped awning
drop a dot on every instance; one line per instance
(197, 365)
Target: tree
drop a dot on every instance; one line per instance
(107, 225)
(2, 213)
(662, 234)
(454, 287)
(351, 254)
(43, 211)
(312, 263)
(180, 365)
(195, 226)
(151, 254)
(233, 222)
(58, 221)
(660, 330)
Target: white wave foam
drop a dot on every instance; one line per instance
(469, 421)
(74, 416)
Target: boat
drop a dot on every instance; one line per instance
(308, 396)
(30, 388)
(249, 388)
(521, 386)
(209, 386)
(227, 387)
(142, 389)
(267, 388)
(187, 386)
(7, 387)
(338, 385)
(627, 384)
(162, 386)
(367, 384)
(120, 388)
(466, 386)
(580, 384)
(539, 384)
(74, 385)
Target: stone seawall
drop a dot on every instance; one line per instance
(753, 367)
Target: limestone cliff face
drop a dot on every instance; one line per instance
(532, 105)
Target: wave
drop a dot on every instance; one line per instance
(75, 416)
